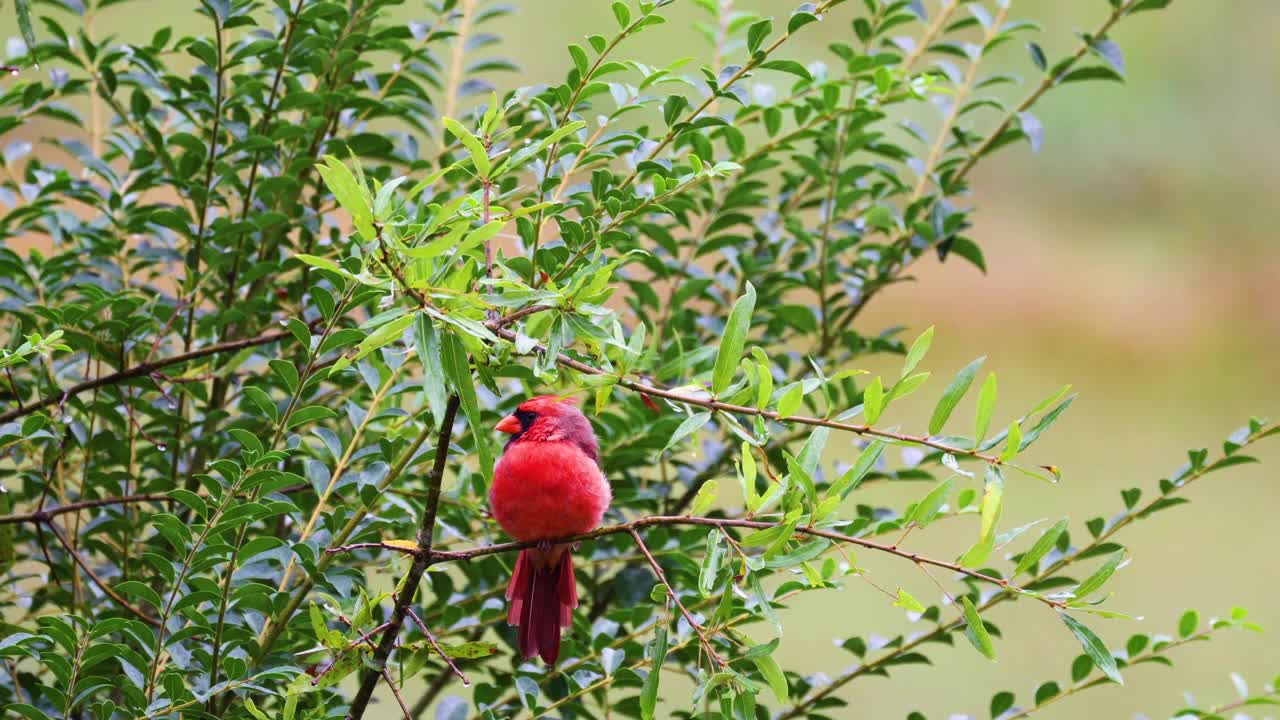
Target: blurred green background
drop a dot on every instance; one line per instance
(1135, 257)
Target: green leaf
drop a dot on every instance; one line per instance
(469, 651)
(712, 559)
(757, 33)
(350, 194)
(1055, 397)
(287, 373)
(309, 414)
(23, 10)
(705, 498)
(383, 336)
(986, 407)
(905, 387)
(143, 592)
(457, 368)
(772, 675)
(1188, 623)
(747, 477)
(919, 348)
(906, 602)
(191, 500)
(863, 465)
(976, 631)
(427, 341)
(735, 337)
(978, 552)
(1099, 576)
(30, 712)
(319, 262)
(1093, 647)
(1014, 442)
(1041, 548)
(951, 396)
(992, 501)
(649, 691)
(254, 711)
(622, 14)
(927, 509)
(790, 401)
(788, 66)
(873, 401)
(479, 156)
(691, 424)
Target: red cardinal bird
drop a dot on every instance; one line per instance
(546, 485)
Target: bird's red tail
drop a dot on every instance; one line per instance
(542, 596)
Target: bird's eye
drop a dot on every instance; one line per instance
(526, 418)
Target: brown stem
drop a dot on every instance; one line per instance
(662, 577)
(432, 639)
(40, 516)
(437, 556)
(144, 370)
(420, 563)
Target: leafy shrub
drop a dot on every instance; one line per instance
(272, 285)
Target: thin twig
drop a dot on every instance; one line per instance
(432, 639)
(143, 370)
(662, 578)
(343, 652)
(119, 600)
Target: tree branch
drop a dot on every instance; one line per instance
(421, 561)
(437, 556)
(38, 516)
(711, 403)
(144, 370)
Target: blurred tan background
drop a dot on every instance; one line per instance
(1137, 258)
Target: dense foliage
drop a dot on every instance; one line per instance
(267, 289)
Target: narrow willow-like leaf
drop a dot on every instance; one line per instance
(649, 690)
(353, 197)
(853, 476)
(873, 400)
(479, 156)
(457, 368)
(427, 342)
(951, 396)
(976, 631)
(1099, 576)
(1014, 442)
(772, 674)
(1041, 547)
(691, 424)
(927, 509)
(992, 501)
(705, 498)
(1093, 647)
(986, 407)
(917, 352)
(383, 336)
(23, 10)
(735, 337)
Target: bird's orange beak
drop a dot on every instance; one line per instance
(509, 424)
